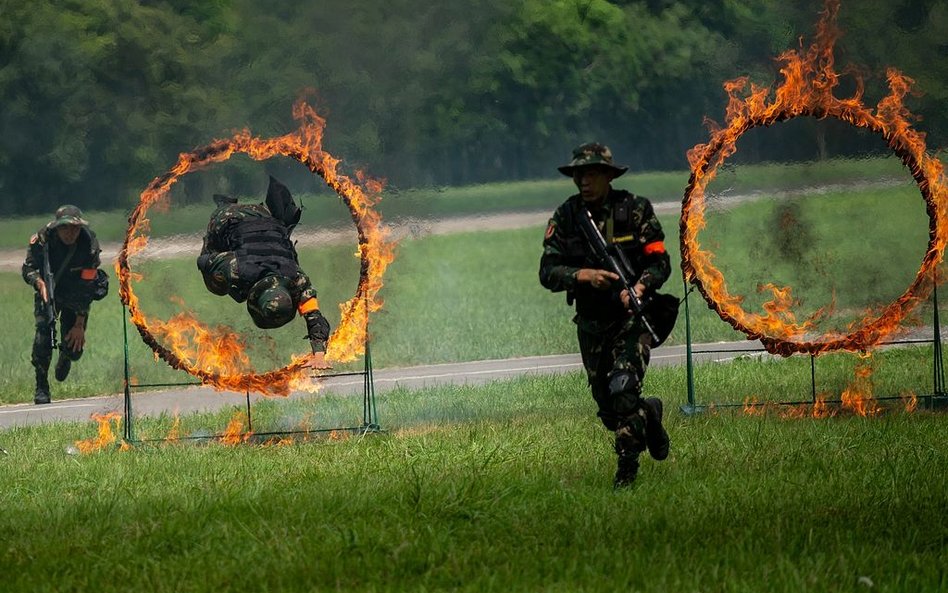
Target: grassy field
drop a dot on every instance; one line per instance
(491, 198)
(499, 488)
(475, 295)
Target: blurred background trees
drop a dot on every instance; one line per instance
(98, 97)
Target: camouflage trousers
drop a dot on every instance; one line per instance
(608, 348)
(42, 341)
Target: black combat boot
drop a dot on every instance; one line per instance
(628, 447)
(656, 437)
(63, 364)
(627, 470)
(42, 389)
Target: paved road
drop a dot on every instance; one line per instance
(190, 245)
(199, 399)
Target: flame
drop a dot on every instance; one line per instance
(234, 433)
(753, 407)
(818, 409)
(105, 435)
(858, 394)
(175, 433)
(909, 400)
(215, 355)
(807, 88)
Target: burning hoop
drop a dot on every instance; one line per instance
(220, 367)
(807, 90)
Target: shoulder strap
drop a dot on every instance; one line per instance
(65, 264)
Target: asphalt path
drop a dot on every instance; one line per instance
(204, 399)
(190, 244)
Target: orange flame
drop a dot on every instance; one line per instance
(215, 355)
(910, 401)
(818, 409)
(105, 434)
(858, 395)
(234, 433)
(753, 407)
(175, 433)
(807, 88)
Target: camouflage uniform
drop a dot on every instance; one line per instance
(615, 346)
(248, 255)
(77, 282)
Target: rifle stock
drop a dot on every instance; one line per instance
(621, 267)
(50, 281)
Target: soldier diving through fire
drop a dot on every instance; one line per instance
(248, 255)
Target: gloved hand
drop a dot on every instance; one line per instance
(317, 362)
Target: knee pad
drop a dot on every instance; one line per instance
(624, 388)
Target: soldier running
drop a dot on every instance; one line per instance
(614, 344)
(62, 266)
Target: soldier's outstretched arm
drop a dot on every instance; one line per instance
(317, 327)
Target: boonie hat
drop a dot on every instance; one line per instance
(68, 215)
(592, 153)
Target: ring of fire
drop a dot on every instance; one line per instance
(218, 366)
(806, 90)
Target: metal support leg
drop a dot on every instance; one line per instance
(690, 407)
(127, 433)
(249, 421)
(369, 412)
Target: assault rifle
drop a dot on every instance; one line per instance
(619, 264)
(50, 281)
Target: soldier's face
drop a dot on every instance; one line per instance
(593, 182)
(68, 233)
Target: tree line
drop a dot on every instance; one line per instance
(99, 96)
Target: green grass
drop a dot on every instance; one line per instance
(497, 488)
(489, 198)
(475, 295)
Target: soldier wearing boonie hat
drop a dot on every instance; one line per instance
(64, 289)
(615, 346)
(248, 255)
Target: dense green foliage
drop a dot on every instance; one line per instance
(99, 97)
(499, 488)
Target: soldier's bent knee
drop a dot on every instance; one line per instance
(624, 388)
(72, 355)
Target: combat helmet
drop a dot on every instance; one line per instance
(270, 303)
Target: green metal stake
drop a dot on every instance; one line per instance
(249, 421)
(127, 431)
(939, 363)
(369, 412)
(690, 408)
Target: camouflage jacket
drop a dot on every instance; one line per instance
(245, 244)
(245, 257)
(627, 221)
(74, 278)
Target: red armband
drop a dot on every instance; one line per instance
(88, 273)
(308, 306)
(654, 247)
